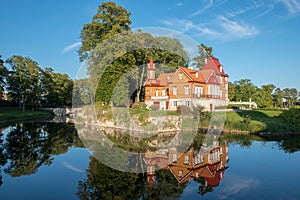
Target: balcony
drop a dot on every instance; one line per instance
(209, 96)
(159, 97)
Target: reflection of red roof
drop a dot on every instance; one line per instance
(214, 64)
(214, 181)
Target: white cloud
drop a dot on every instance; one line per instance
(70, 47)
(209, 4)
(71, 167)
(234, 29)
(221, 29)
(237, 185)
(179, 4)
(293, 6)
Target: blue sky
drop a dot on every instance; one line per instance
(255, 39)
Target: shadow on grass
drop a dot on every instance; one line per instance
(266, 121)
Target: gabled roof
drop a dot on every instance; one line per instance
(206, 74)
(214, 64)
(191, 74)
(163, 80)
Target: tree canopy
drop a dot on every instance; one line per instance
(109, 20)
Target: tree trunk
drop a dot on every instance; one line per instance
(139, 85)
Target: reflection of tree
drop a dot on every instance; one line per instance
(31, 145)
(2, 156)
(203, 187)
(106, 183)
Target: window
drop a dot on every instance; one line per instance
(198, 159)
(198, 91)
(180, 76)
(186, 90)
(186, 160)
(156, 92)
(148, 92)
(163, 93)
(187, 103)
(174, 90)
(174, 103)
(174, 157)
(180, 173)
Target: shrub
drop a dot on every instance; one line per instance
(154, 107)
(139, 105)
(183, 109)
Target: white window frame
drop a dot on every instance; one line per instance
(186, 89)
(175, 90)
(186, 160)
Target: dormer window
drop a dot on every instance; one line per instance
(180, 76)
(221, 68)
(197, 75)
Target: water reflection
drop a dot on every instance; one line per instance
(27, 146)
(167, 174)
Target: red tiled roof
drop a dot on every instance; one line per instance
(163, 80)
(214, 64)
(192, 74)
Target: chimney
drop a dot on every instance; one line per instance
(197, 74)
(205, 60)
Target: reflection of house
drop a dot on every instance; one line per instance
(190, 165)
(4, 97)
(207, 87)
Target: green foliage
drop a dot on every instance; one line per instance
(3, 75)
(139, 105)
(57, 88)
(109, 20)
(29, 85)
(204, 52)
(291, 116)
(24, 83)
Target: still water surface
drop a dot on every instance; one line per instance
(43, 160)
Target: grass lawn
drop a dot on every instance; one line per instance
(7, 114)
(258, 120)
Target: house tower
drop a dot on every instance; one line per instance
(151, 70)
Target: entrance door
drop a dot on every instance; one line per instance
(167, 105)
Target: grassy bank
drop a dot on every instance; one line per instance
(13, 114)
(258, 121)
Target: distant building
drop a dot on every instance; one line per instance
(207, 87)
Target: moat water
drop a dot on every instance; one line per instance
(44, 160)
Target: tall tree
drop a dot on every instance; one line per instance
(204, 52)
(57, 88)
(3, 74)
(277, 97)
(109, 20)
(244, 90)
(24, 83)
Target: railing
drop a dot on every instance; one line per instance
(206, 96)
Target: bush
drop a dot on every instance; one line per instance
(183, 109)
(154, 107)
(291, 116)
(139, 105)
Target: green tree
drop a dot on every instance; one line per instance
(231, 91)
(24, 83)
(204, 52)
(244, 90)
(277, 97)
(109, 20)
(3, 75)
